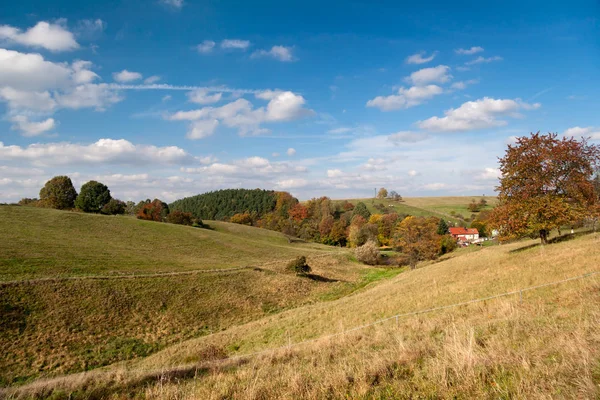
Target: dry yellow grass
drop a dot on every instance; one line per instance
(546, 347)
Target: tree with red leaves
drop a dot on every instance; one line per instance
(546, 182)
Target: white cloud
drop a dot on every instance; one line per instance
(439, 74)
(472, 50)
(98, 96)
(376, 164)
(275, 155)
(27, 100)
(282, 106)
(151, 79)
(31, 128)
(206, 46)
(488, 174)
(104, 151)
(481, 59)
(236, 44)
(420, 58)
(413, 173)
(202, 96)
(291, 151)
(281, 53)
(292, 183)
(405, 98)
(82, 73)
(166, 98)
(479, 114)
(334, 173)
(589, 131)
(178, 4)
(202, 128)
(31, 72)
(407, 137)
(461, 85)
(126, 76)
(53, 37)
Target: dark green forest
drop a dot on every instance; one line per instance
(224, 204)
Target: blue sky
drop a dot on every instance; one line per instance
(170, 98)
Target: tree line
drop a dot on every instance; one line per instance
(94, 197)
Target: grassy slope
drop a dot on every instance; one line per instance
(39, 243)
(548, 346)
(61, 326)
(426, 206)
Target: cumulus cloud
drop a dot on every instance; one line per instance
(126, 76)
(420, 58)
(31, 72)
(151, 79)
(27, 100)
(291, 151)
(405, 98)
(53, 37)
(90, 28)
(206, 46)
(282, 106)
(98, 96)
(472, 50)
(375, 164)
(589, 131)
(439, 74)
(480, 114)
(413, 173)
(280, 53)
(31, 128)
(202, 96)
(202, 128)
(292, 183)
(104, 151)
(481, 59)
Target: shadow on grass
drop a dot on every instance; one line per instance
(558, 239)
(320, 278)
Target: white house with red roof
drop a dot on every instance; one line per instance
(464, 234)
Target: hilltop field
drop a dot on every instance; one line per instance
(440, 207)
(113, 307)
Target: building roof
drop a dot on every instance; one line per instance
(463, 231)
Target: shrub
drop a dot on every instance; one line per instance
(299, 266)
(114, 207)
(58, 193)
(180, 218)
(368, 253)
(29, 202)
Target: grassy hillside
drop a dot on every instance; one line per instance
(40, 243)
(98, 313)
(547, 346)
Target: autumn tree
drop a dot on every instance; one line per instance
(417, 238)
(58, 193)
(241, 218)
(546, 182)
(92, 197)
(298, 212)
(180, 218)
(156, 210)
(382, 194)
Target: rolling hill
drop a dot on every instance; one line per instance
(542, 344)
(80, 291)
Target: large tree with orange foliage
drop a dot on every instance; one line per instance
(546, 182)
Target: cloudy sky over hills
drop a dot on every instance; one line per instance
(169, 98)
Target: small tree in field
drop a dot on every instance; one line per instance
(156, 210)
(180, 218)
(368, 253)
(299, 266)
(546, 182)
(382, 194)
(58, 193)
(442, 228)
(362, 210)
(92, 197)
